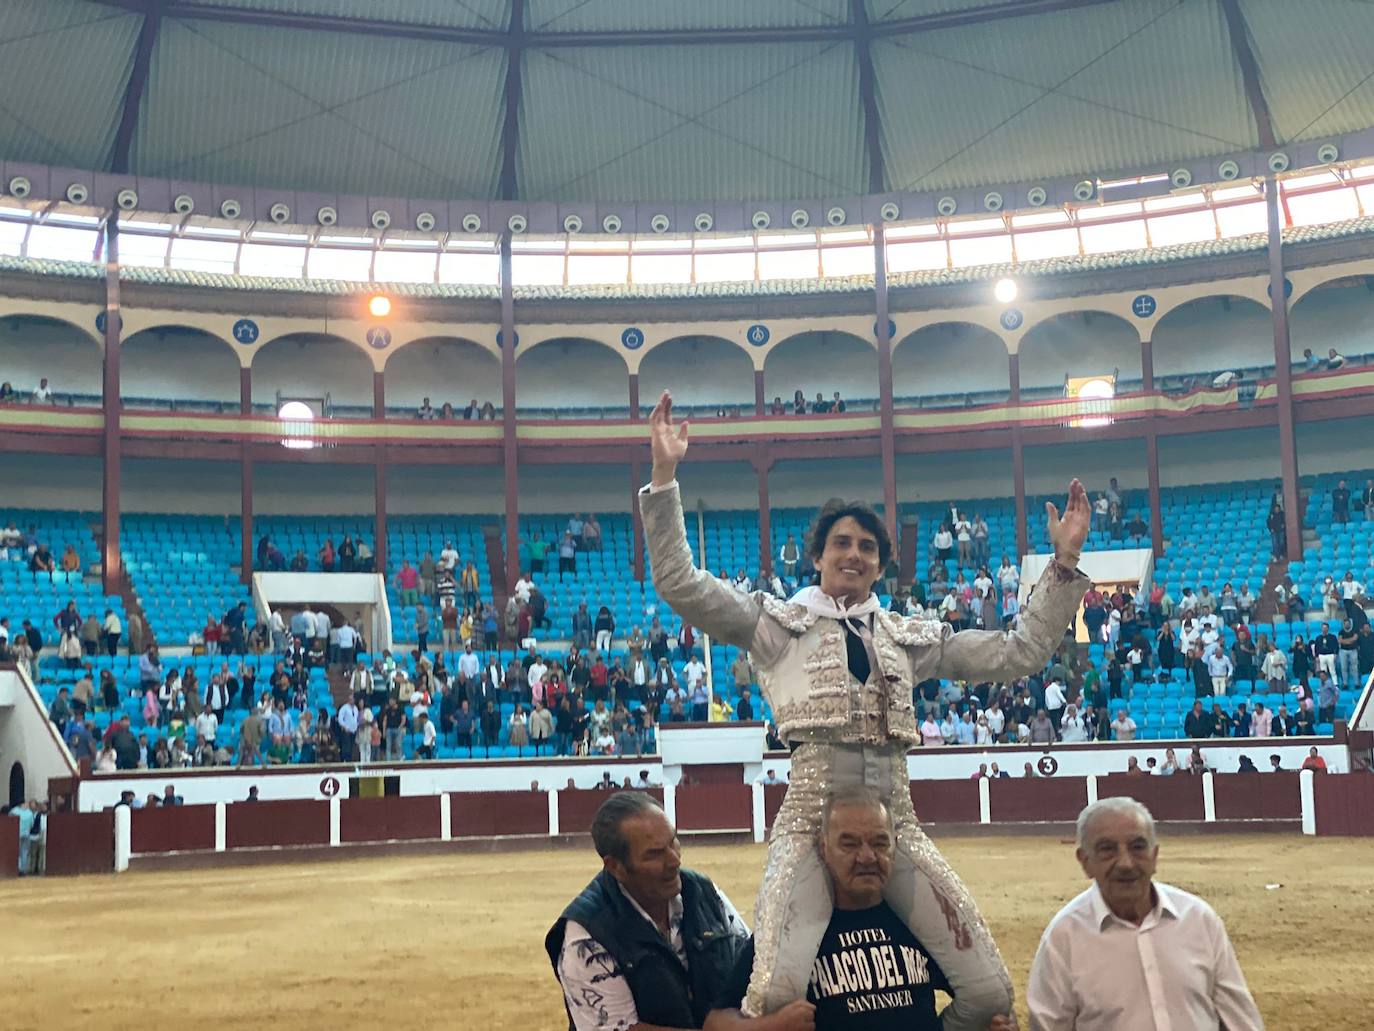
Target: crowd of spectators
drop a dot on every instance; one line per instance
(351, 556)
(40, 395)
(472, 411)
(801, 406)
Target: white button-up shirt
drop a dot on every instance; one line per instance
(1176, 971)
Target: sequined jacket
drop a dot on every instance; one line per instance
(801, 657)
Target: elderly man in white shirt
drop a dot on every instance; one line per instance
(1132, 953)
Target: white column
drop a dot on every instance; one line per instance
(445, 818)
(334, 820)
(1209, 800)
(760, 816)
(984, 801)
(670, 802)
(1307, 793)
(221, 820)
(553, 811)
(1092, 788)
(123, 837)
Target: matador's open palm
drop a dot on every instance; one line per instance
(669, 442)
(1068, 533)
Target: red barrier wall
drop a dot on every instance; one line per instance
(945, 801)
(286, 822)
(80, 843)
(1034, 799)
(9, 847)
(773, 794)
(1257, 796)
(399, 818)
(183, 828)
(1168, 798)
(577, 808)
(486, 814)
(715, 807)
(1344, 803)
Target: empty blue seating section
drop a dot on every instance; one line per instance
(184, 570)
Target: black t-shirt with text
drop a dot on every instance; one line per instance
(870, 974)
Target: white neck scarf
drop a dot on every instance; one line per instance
(817, 601)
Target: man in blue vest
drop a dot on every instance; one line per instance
(648, 944)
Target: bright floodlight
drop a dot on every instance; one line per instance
(1005, 291)
(296, 417)
(379, 306)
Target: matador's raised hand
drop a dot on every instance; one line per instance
(669, 443)
(1067, 534)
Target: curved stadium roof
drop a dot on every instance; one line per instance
(673, 100)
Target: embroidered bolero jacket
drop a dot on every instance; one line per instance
(802, 659)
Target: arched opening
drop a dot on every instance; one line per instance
(17, 792)
(446, 370)
(704, 373)
(317, 367)
(1198, 340)
(823, 362)
(1338, 316)
(1076, 345)
(949, 365)
(178, 367)
(570, 377)
(34, 348)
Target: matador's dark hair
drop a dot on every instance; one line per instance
(836, 509)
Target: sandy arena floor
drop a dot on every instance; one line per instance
(456, 942)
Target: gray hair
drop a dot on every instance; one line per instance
(606, 825)
(1115, 806)
(857, 796)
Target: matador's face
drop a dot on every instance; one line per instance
(849, 564)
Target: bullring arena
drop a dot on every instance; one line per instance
(330, 341)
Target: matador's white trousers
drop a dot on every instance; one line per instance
(795, 901)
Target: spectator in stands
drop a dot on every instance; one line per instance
(567, 553)
(1305, 723)
(1325, 648)
(1334, 359)
(1198, 724)
(1042, 729)
(789, 556)
(1352, 595)
(326, 556)
(591, 534)
(1072, 727)
(1314, 761)
(470, 583)
(1347, 659)
(1278, 530)
(1365, 650)
(517, 732)
(1283, 724)
(1340, 502)
(1241, 722)
(1261, 721)
(538, 610)
(42, 394)
(605, 629)
(1219, 670)
(426, 412)
(1123, 727)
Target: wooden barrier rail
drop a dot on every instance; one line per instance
(93, 842)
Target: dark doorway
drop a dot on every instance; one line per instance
(17, 795)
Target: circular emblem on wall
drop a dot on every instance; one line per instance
(757, 334)
(632, 338)
(1012, 318)
(1048, 766)
(500, 341)
(379, 337)
(329, 787)
(246, 331)
(891, 330)
(101, 322)
(1143, 306)
(1287, 288)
